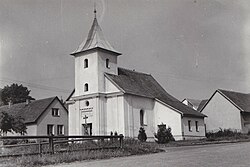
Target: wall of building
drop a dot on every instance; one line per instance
(245, 122)
(170, 117)
(221, 114)
(132, 107)
(193, 134)
(47, 118)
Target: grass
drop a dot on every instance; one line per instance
(130, 147)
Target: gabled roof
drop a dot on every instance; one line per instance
(201, 105)
(145, 85)
(239, 100)
(194, 102)
(32, 111)
(95, 40)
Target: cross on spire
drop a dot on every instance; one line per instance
(95, 9)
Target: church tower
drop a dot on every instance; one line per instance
(93, 58)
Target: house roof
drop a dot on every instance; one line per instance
(194, 102)
(145, 85)
(30, 112)
(239, 100)
(95, 40)
(202, 104)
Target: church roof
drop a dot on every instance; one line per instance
(142, 84)
(30, 112)
(95, 40)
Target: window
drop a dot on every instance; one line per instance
(189, 126)
(50, 129)
(55, 112)
(60, 130)
(142, 117)
(87, 103)
(196, 126)
(86, 87)
(86, 63)
(107, 63)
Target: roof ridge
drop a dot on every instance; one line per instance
(122, 68)
(232, 91)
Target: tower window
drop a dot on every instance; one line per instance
(86, 63)
(87, 103)
(107, 63)
(86, 87)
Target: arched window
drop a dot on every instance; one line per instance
(107, 63)
(141, 117)
(86, 87)
(86, 63)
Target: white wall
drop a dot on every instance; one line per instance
(221, 114)
(193, 134)
(171, 118)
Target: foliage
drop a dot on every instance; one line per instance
(8, 123)
(15, 93)
(163, 134)
(223, 133)
(142, 136)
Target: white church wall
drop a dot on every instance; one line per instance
(87, 75)
(221, 114)
(171, 118)
(115, 115)
(112, 68)
(132, 107)
(109, 86)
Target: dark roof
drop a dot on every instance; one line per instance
(241, 100)
(95, 40)
(194, 102)
(142, 84)
(202, 103)
(30, 112)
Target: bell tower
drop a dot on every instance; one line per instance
(93, 58)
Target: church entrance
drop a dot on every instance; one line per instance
(87, 129)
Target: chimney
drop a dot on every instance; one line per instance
(10, 103)
(27, 102)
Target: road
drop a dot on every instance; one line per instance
(216, 155)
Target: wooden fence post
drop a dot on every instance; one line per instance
(51, 144)
(121, 141)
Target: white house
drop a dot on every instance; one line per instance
(109, 99)
(227, 110)
(42, 117)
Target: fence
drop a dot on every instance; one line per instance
(31, 145)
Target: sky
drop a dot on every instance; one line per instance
(191, 47)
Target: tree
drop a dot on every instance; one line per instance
(164, 134)
(142, 136)
(15, 94)
(8, 123)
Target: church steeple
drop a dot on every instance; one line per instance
(95, 40)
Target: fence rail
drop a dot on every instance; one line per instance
(50, 144)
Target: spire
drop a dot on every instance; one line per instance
(95, 10)
(95, 39)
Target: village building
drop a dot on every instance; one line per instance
(194, 103)
(109, 99)
(227, 110)
(41, 117)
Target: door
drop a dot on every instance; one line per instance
(87, 129)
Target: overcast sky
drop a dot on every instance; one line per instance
(191, 47)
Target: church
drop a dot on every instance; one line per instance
(108, 99)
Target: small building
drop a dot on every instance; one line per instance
(42, 117)
(227, 110)
(109, 99)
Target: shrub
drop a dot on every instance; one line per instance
(163, 134)
(142, 136)
(223, 133)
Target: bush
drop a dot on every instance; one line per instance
(223, 133)
(164, 134)
(142, 136)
